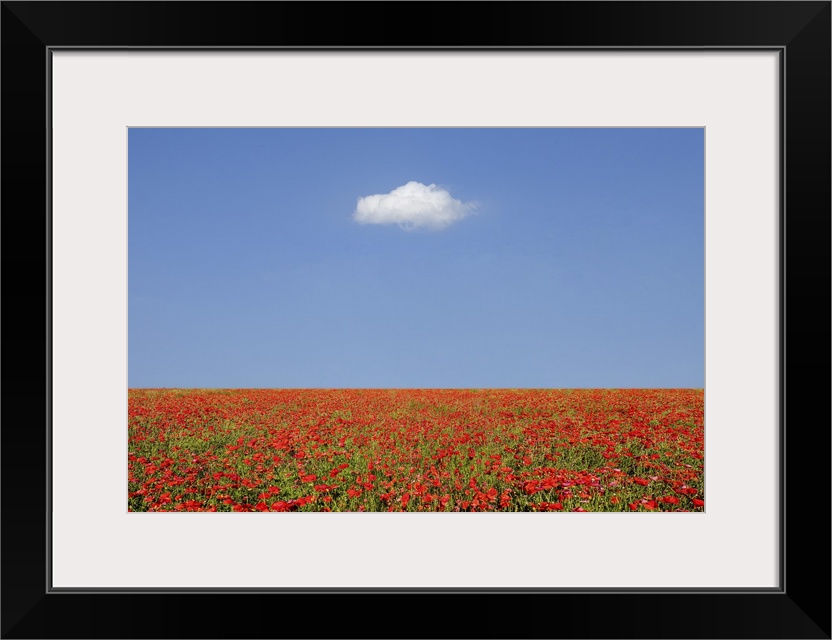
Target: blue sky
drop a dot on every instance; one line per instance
(540, 258)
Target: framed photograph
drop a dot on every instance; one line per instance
(499, 308)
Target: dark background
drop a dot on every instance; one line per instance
(800, 609)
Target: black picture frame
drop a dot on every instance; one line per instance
(799, 608)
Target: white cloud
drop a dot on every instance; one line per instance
(411, 206)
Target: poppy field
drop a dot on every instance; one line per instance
(429, 450)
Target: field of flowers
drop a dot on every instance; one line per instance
(416, 450)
